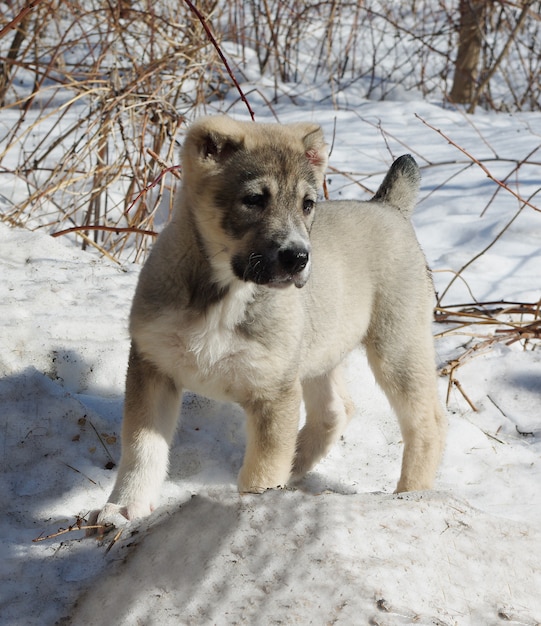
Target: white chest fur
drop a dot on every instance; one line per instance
(205, 353)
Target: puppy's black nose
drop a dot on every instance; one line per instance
(293, 260)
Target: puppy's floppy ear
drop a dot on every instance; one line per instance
(214, 139)
(315, 148)
(216, 146)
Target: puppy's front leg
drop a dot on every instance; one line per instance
(272, 424)
(151, 411)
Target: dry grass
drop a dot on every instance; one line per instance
(94, 95)
(484, 325)
(94, 92)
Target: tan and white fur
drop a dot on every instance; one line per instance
(254, 294)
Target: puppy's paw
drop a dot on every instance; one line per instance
(252, 482)
(115, 516)
(309, 452)
(103, 520)
(246, 486)
(301, 466)
(405, 485)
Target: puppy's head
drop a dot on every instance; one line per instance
(252, 189)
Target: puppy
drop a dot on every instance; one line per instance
(254, 294)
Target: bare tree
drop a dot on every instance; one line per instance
(6, 67)
(526, 6)
(473, 14)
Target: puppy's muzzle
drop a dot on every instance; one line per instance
(292, 265)
(276, 266)
(293, 260)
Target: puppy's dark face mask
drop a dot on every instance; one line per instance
(267, 205)
(260, 196)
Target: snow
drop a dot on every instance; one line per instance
(340, 548)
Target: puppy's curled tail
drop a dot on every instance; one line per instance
(400, 186)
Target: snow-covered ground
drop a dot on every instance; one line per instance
(341, 548)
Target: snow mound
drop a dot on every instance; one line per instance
(294, 558)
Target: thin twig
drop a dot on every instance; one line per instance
(111, 229)
(212, 39)
(19, 17)
(496, 405)
(115, 539)
(481, 314)
(457, 384)
(79, 472)
(481, 165)
(79, 524)
(173, 169)
(102, 443)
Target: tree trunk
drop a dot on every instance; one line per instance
(7, 65)
(470, 41)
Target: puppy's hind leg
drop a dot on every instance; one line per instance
(328, 411)
(405, 370)
(151, 411)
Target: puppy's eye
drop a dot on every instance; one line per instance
(256, 200)
(308, 206)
